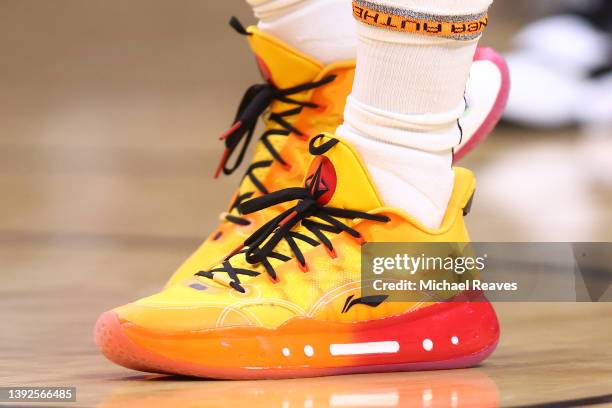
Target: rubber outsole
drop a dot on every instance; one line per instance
(117, 346)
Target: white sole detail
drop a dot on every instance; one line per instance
(351, 349)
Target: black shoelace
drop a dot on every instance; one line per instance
(259, 247)
(256, 101)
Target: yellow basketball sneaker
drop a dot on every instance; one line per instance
(290, 304)
(302, 98)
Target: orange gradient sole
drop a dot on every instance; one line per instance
(442, 336)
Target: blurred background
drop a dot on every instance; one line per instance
(110, 112)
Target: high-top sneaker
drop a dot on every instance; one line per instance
(290, 304)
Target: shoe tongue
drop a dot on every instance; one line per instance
(280, 64)
(338, 178)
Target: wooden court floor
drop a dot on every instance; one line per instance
(107, 145)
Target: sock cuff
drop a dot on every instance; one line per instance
(462, 27)
(434, 132)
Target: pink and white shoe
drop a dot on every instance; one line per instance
(486, 96)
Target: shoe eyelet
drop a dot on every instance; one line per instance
(250, 292)
(304, 267)
(249, 225)
(331, 252)
(322, 108)
(302, 136)
(287, 167)
(236, 287)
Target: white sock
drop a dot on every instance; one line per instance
(322, 29)
(407, 98)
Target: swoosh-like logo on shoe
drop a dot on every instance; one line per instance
(371, 301)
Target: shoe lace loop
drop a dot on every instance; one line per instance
(315, 217)
(255, 102)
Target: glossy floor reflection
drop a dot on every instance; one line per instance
(461, 388)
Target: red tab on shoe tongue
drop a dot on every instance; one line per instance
(338, 179)
(321, 180)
